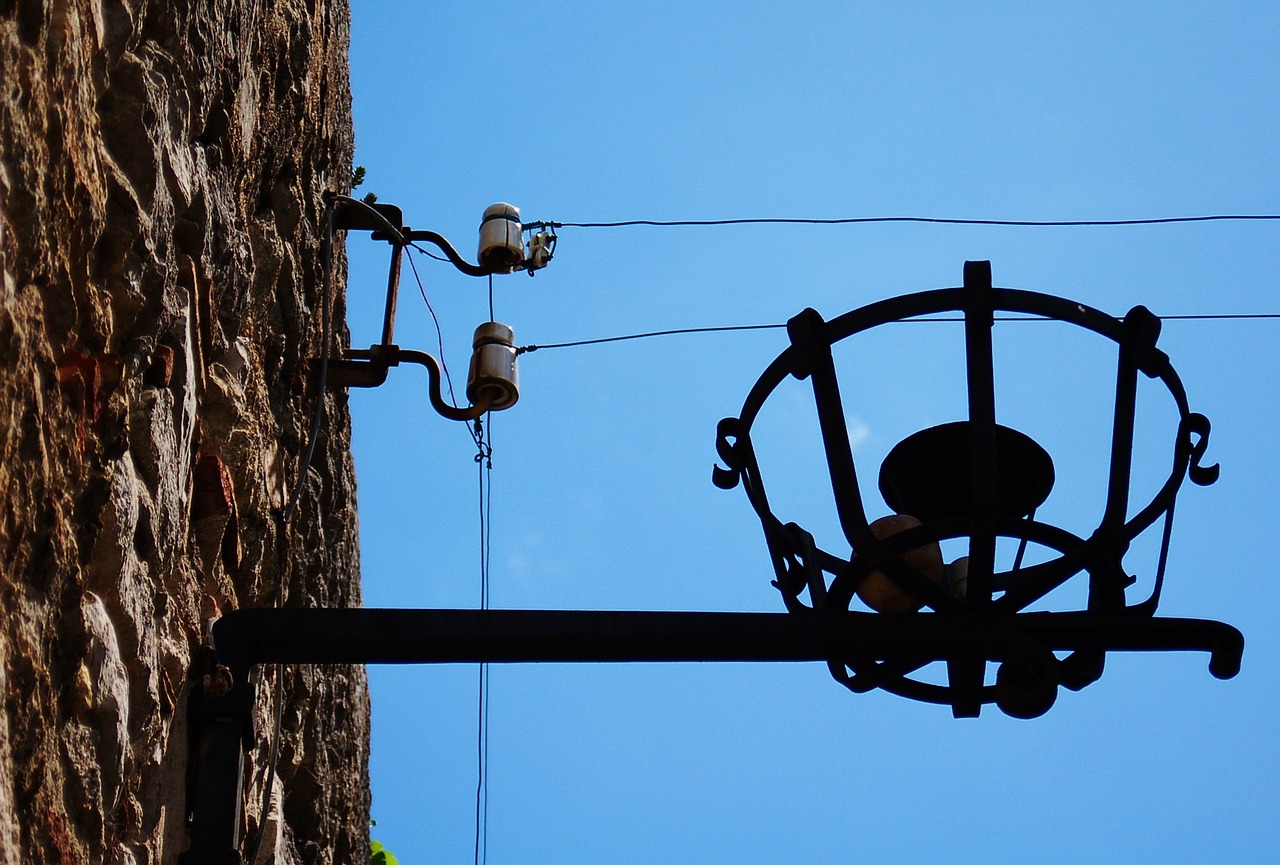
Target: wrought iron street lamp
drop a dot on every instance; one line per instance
(978, 481)
(972, 482)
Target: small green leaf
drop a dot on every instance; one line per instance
(357, 176)
(379, 855)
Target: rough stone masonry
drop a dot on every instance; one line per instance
(161, 170)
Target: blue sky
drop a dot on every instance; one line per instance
(601, 492)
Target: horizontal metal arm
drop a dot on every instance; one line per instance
(223, 709)
(360, 367)
(452, 254)
(389, 636)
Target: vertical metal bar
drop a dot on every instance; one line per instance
(813, 347)
(967, 669)
(809, 338)
(218, 794)
(1136, 337)
(1141, 328)
(848, 495)
(844, 475)
(393, 291)
(223, 723)
(984, 461)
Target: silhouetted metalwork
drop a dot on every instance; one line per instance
(971, 479)
(977, 480)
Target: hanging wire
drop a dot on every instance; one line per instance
(479, 442)
(482, 756)
(483, 433)
(436, 321)
(529, 349)
(428, 253)
(862, 220)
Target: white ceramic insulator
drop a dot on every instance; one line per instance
(501, 241)
(493, 367)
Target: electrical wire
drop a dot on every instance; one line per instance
(484, 463)
(862, 220)
(436, 321)
(444, 367)
(482, 438)
(482, 756)
(529, 349)
(1222, 316)
(428, 253)
(483, 435)
(1219, 316)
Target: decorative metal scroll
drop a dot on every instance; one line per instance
(979, 481)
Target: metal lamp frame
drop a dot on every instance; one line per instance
(1029, 674)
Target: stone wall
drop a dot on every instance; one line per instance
(161, 171)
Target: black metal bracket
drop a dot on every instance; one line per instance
(369, 367)
(386, 222)
(245, 638)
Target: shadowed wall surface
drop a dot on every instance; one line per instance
(161, 167)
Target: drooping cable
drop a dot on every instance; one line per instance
(444, 367)
(528, 349)
(295, 497)
(862, 220)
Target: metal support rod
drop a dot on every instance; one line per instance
(1141, 330)
(810, 341)
(393, 292)
(966, 669)
(1123, 420)
(366, 636)
(360, 367)
(985, 466)
(247, 637)
(222, 724)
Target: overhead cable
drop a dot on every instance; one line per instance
(529, 349)
(940, 220)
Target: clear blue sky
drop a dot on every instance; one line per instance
(602, 496)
